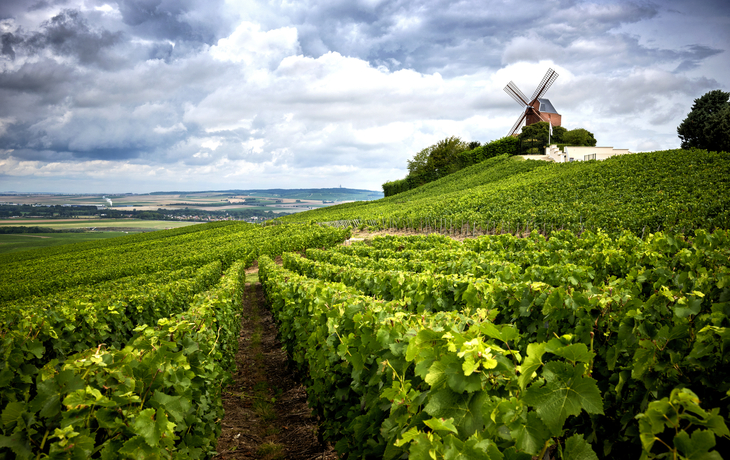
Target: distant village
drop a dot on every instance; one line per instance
(11, 210)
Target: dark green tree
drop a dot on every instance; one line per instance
(443, 155)
(703, 127)
(717, 130)
(534, 138)
(579, 137)
(419, 163)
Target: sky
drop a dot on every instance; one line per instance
(101, 96)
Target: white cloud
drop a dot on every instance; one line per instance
(249, 45)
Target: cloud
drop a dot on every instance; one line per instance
(68, 34)
(243, 92)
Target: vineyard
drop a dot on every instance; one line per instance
(120, 348)
(507, 348)
(674, 190)
(575, 311)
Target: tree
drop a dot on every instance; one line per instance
(418, 165)
(442, 159)
(717, 130)
(534, 138)
(706, 125)
(578, 137)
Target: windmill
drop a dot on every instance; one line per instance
(536, 108)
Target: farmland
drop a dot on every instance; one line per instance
(24, 242)
(107, 353)
(276, 200)
(676, 190)
(575, 311)
(509, 347)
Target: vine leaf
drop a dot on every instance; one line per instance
(532, 363)
(565, 393)
(531, 436)
(576, 448)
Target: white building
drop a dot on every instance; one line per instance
(570, 153)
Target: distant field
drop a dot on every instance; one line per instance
(98, 223)
(266, 200)
(25, 241)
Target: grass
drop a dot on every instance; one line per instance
(271, 450)
(98, 223)
(24, 241)
(252, 278)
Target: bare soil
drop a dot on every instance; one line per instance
(267, 416)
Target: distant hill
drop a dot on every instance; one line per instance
(329, 194)
(675, 189)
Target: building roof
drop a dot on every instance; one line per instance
(546, 106)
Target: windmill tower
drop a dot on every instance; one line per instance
(536, 108)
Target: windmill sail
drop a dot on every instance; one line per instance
(534, 106)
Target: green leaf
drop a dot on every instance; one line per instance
(576, 448)
(565, 393)
(532, 363)
(437, 376)
(531, 436)
(441, 425)
(176, 406)
(145, 426)
(12, 413)
(109, 419)
(697, 447)
(575, 353)
(138, 449)
(421, 448)
(18, 444)
(47, 400)
(35, 347)
(465, 409)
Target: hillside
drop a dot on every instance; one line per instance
(674, 189)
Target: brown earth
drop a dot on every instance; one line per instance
(267, 416)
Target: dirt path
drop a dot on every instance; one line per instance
(267, 416)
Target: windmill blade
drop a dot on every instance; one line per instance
(517, 125)
(516, 94)
(544, 85)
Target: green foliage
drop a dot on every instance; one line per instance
(396, 186)
(578, 137)
(418, 165)
(675, 189)
(501, 347)
(717, 130)
(130, 367)
(707, 125)
(534, 138)
(447, 157)
(442, 159)
(507, 145)
(682, 416)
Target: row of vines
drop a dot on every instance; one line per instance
(121, 349)
(500, 347)
(673, 190)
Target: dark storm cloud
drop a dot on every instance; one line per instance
(446, 36)
(69, 34)
(174, 20)
(8, 41)
(694, 55)
(45, 79)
